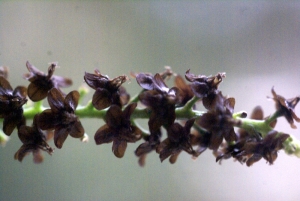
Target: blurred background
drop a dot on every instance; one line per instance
(256, 43)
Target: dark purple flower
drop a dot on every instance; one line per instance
(34, 140)
(11, 105)
(159, 99)
(178, 140)
(250, 152)
(162, 109)
(219, 122)
(61, 117)
(202, 85)
(118, 129)
(148, 82)
(200, 139)
(40, 83)
(108, 91)
(152, 141)
(285, 107)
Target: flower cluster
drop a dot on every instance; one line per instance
(174, 123)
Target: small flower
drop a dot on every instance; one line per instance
(219, 121)
(203, 85)
(285, 107)
(162, 109)
(11, 102)
(107, 91)
(40, 83)
(201, 139)
(178, 140)
(61, 117)
(118, 129)
(252, 151)
(148, 82)
(160, 99)
(225, 150)
(152, 141)
(34, 140)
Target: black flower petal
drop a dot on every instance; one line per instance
(41, 83)
(61, 117)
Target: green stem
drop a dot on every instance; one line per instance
(30, 112)
(254, 127)
(273, 117)
(89, 111)
(292, 146)
(187, 112)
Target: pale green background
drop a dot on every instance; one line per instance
(256, 43)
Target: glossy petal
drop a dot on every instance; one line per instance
(174, 157)
(77, 130)
(145, 81)
(20, 91)
(9, 124)
(160, 84)
(144, 148)
(104, 135)
(119, 148)
(129, 110)
(56, 100)
(60, 135)
(48, 120)
(101, 99)
(95, 81)
(5, 87)
(150, 98)
(36, 92)
(114, 116)
(71, 101)
(200, 89)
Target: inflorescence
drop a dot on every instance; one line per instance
(173, 110)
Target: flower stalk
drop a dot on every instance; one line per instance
(172, 111)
